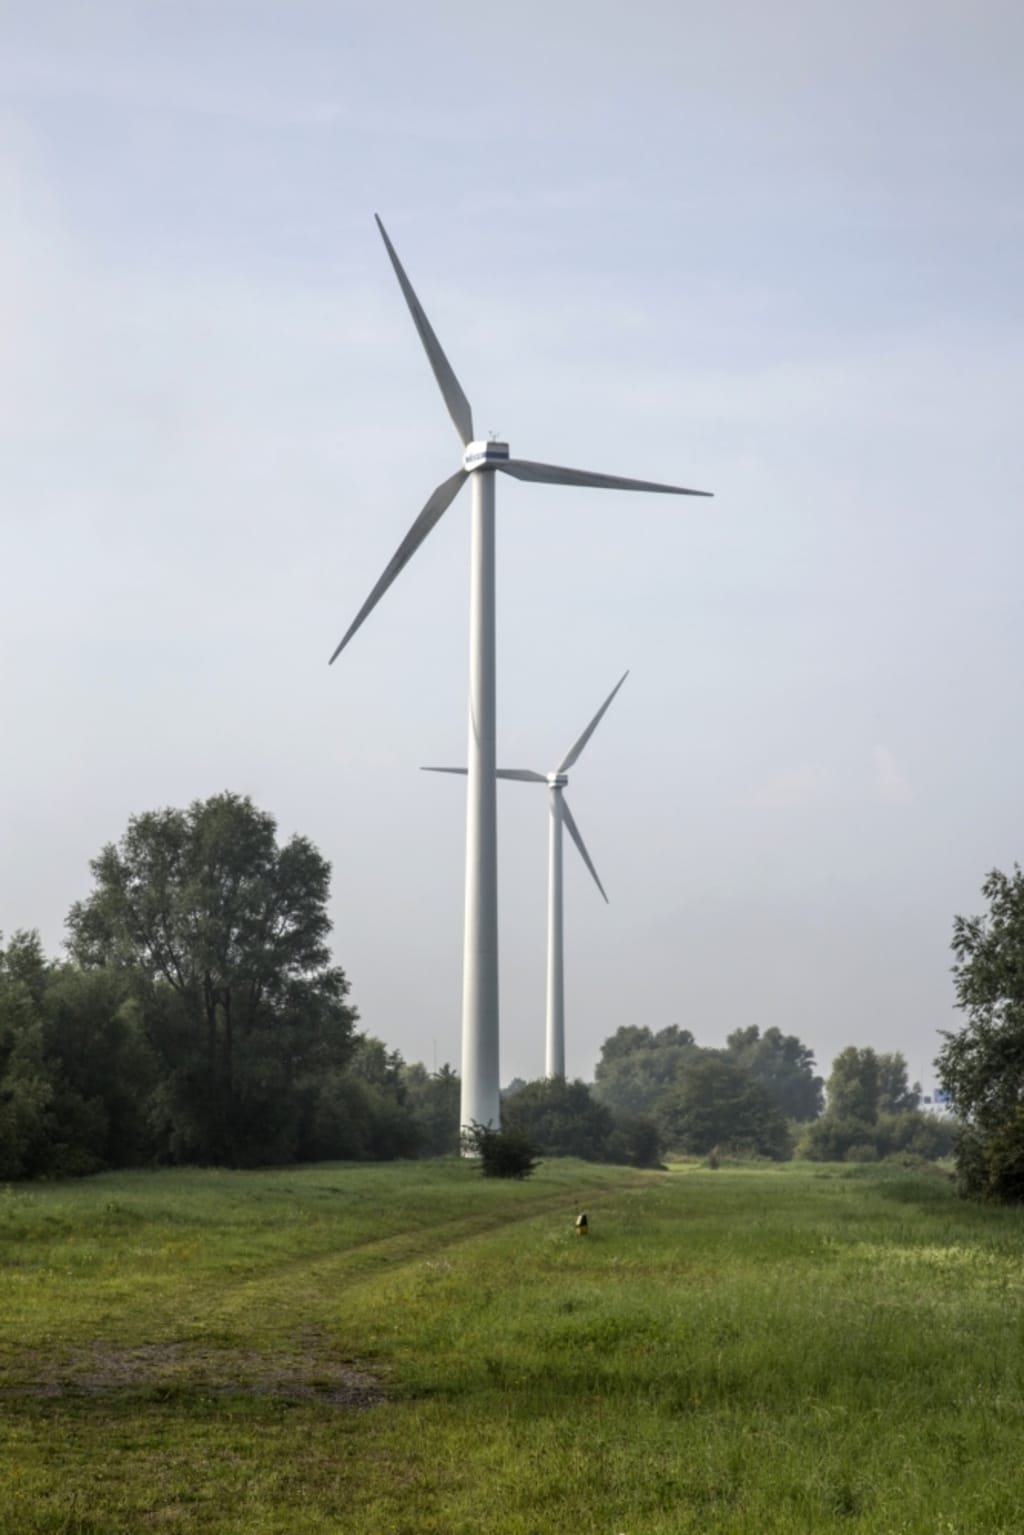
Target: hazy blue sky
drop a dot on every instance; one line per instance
(773, 251)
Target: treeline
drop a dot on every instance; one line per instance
(198, 1018)
(94, 1076)
(760, 1096)
(100, 1069)
(873, 1112)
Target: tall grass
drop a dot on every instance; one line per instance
(413, 1349)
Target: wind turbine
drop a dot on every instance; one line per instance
(480, 462)
(560, 815)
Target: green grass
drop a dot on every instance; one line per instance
(409, 1349)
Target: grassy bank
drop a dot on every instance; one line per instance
(409, 1349)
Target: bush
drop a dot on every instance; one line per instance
(635, 1141)
(832, 1139)
(922, 1135)
(502, 1153)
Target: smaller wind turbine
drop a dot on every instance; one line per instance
(560, 815)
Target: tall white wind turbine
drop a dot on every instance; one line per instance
(559, 815)
(480, 462)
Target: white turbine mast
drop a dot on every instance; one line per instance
(480, 462)
(559, 815)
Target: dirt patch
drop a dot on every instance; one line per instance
(174, 1369)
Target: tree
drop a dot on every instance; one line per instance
(389, 1127)
(433, 1100)
(716, 1102)
(637, 1066)
(783, 1065)
(853, 1087)
(562, 1118)
(636, 1140)
(982, 1065)
(872, 1113)
(26, 1089)
(24, 967)
(222, 937)
(74, 1072)
(102, 1068)
(895, 1095)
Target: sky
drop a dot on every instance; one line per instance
(771, 252)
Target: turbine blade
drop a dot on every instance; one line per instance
(574, 833)
(552, 474)
(431, 514)
(524, 775)
(451, 389)
(572, 755)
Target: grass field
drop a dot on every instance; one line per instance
(408, 1348)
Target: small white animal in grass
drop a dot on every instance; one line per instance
(581, 1225)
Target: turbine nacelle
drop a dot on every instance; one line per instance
(558, 779)
(479, 454)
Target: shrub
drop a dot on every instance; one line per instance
(832, 1139)
(635, 1141)
(502, 1153)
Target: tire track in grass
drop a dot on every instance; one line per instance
(333, 1273)
(268, 1334)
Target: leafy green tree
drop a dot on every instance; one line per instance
(716, 1102)
(24, 967)
(390, 1126)
(982, 1065)
(895, 1095)
(26, 1085)
(26, 1099)
(345, 1120)
(1002, 1156)
(853, 1086)
(222, 937)
(74, 1072)
(635, 1140)
(872, 1113)
(373, 1062)
(637, 1066)
(783, 1065)
(433, 1100)
(561, 1117)
(103, 1067)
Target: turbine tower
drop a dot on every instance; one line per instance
(480, 462)
(560, 815)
